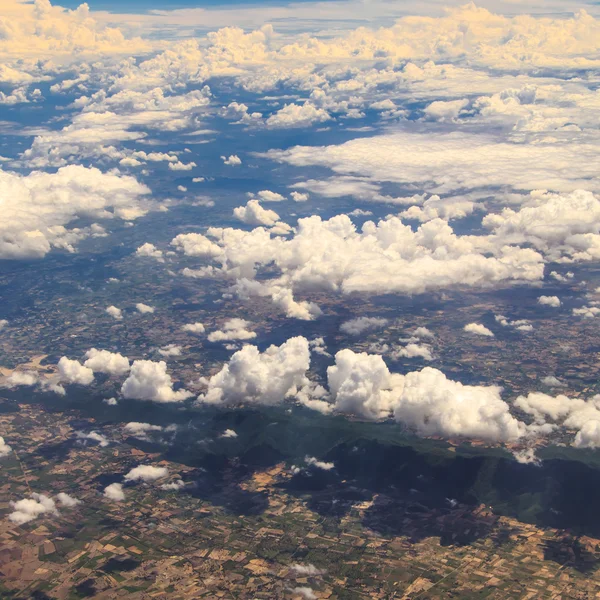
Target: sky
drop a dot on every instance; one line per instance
(294, 164)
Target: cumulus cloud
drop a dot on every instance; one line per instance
(72, 371)
(294, 115)
(305, 592)
(115, 313)
(362, 324)
(257, 377)
(141, 430)
(173, 486)
(93, 436)
(144, 309)
(193, 328)
(385, 257)
(233, 329)
(67, 501)
(149, 380)
(311, 461)
(170, 350)
(308, 570)
(553, 301)
(29, 509)
(103, 361)
(413, 350)
(146, 473)
(114, 492)
(587, 312)
(426, 401)
(518, 324)
(149, 250)
(229, 433)
(254, 214)
(478, 329)
(233, 160)
(37, 208)
(5, 449)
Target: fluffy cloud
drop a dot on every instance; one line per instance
(426, 401)
(478, 329)
(385, 257)
(553, 301)
(115, 313)
(141, 430)
(170, 350)
(232, 161)
(5, 449)
(42, 30)
(146, 473)
(94, 436)
(103, 361)
(29, 509)
(362, 324)
(260, 378)
(412, 350)
(193, 328)
(254, 214)
(72, 371)
(37, 208)
(318, 464)
(293, 115)
(67, 501)
(233, 329)
(149, 380)
(149, 250)
(114, 492)
(144, 308)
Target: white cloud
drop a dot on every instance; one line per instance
(299, 196)
(173, 486)
(170, 350)
(318, 464)
(193, 328)
(5, 449)
(146, 473)
(254, 214)
(478, 329)
(552, 381)
(72, 371)
(233, 160)
(269, 196)
(445, 110)
(385, 257)
(553, 301)
(66, 500)
(149, 380)
(518, 324)
(260, 378)
(94, 436)
(588, 436)
(362, 324)
(426, 401)
(305, 592)
(229, 433)
(149, 250)
(103, 361)
(587, 312)
(114, 492)
(3, 324)
(306, 570)
(115, 313)
(37, 208)
(144, 308)
(412, 350)
(233, 329)
(471, 161)
(294, 115)
(29, 509)
(141, 430)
